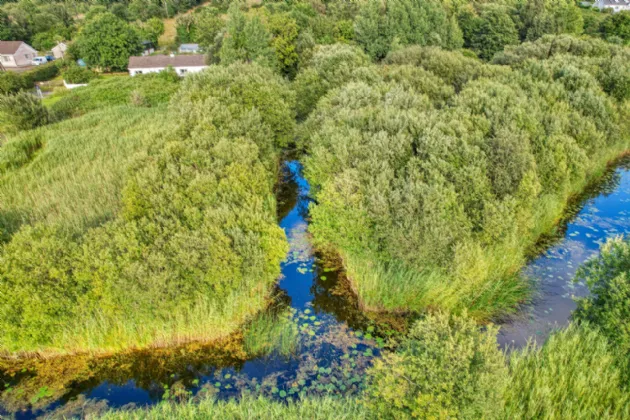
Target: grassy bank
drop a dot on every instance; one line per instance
(247, 408)
(433, 197)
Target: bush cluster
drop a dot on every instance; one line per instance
(455, 193)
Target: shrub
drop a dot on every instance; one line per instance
(22, 111)
(608, 305)
(330, 67)
(44, 72)
(77, 75)
(573, 376)
(11, 82)
(446, 368)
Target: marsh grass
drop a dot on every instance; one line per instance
(247, 408)
(487, 281)
(271, 332)
(71, 174)
(207, 320)
(573, 376)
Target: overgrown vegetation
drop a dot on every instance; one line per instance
(435, 205)
(194, 247)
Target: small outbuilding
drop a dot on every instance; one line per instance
(59, 50)
(147, 48)
(182, 64)
(189, 49)
(16, 54)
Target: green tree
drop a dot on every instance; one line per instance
(539, 17)
(617, 24)
(246, 39)
(419, 22)
(107, 42)
(284, 31)
(445, 368)
(493, 31)
(608, 305)
(152, 29)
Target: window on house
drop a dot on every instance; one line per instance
(138, 72)
(6, 58)
(27, 56)
(182, 71)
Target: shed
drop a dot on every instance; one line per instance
(189, 49)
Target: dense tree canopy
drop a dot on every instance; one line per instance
(107, 41)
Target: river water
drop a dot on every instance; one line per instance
(335, 342)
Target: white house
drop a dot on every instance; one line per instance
(189, 48)
(59, 51)
(615, 5)
(16, 54)
(182, 64)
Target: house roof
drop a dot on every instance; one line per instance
(614, 3)
(159, 61)
(10, 47)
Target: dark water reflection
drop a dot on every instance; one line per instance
(604, 212)
(336, 343)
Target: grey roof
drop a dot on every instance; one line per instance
(10, 47)
(159, 61)
(189, 47)
(614, 2)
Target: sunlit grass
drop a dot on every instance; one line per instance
(573, 376)
(271, 333)
(76, 176)
(248, 408)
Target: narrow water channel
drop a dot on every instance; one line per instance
(603, 212)
(335, 342)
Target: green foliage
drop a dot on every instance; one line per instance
(608, 305)
(151, 30)
(405, 22)
(22, 111)
(246, 39)
(541, 17)
(271, 332)
(447, 201)
(617, 25)
(574, 375)
(11, 82)
(192, 245)
(201, 27)
(154, 88)
(248, 407)
(445, 368)
(285, 33)
(493, 30)
(70, 175)
(107, 41)
(329, 67)
(77, 74)
(237, 98)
